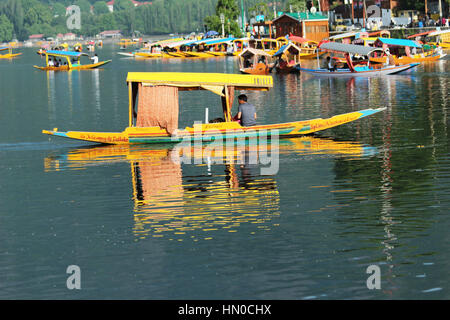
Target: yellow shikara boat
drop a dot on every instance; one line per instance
(10, 54)
(402, 54)
(153, 111)
(67, 60)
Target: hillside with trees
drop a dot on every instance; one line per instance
(21, 18)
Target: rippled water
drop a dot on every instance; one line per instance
(141, 224)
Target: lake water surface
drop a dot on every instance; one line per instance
(141, 225)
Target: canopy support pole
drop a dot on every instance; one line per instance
(130, 104)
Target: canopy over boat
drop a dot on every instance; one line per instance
(157, 94)
(348, 48)
(176, 43)
(210, 41)
(300, 39)
(217, 41)
(343, 35)
(167, 41)
(254, 52)
(285, 48)
(399, 42)
(65, 53)
(190, 81)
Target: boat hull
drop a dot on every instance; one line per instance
(82, 67)
(258, 69)
(148, 55)
(191, 54)
(366, 73)
(9, 56)
(408, 60)
(214, 131)
(288, 69)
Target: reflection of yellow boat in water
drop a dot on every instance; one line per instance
(171, 202)
(105, 154)
(156, 117)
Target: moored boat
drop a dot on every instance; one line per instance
(254, 61)
(154, 106)
(363, 68)
(288, 59)
(406, 51)
(308, 48)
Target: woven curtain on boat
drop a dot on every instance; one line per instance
(158, 106)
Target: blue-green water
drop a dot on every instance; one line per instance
(142, 226)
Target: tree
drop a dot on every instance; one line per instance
(123, 5)
(230, 10)
(84, 5)
(297, 5)
(107, 22)
(6, 29)
(58, 10)
(100, 7)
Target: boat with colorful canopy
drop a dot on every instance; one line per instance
(288, 59)
(406, 51)
(308, 48)
(153, 110)
(364, 67)
(67, 60)
(239, 45)
(152, 50)
(255, 61)
(10, 53)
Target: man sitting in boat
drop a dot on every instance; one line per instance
(389, 59)
(246, 112)
(331, 65)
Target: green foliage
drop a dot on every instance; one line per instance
(6, 29)
(229, 8)
(123, 5)
(84, 5)
(297, 5)
(162, 16)
(100, 7)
